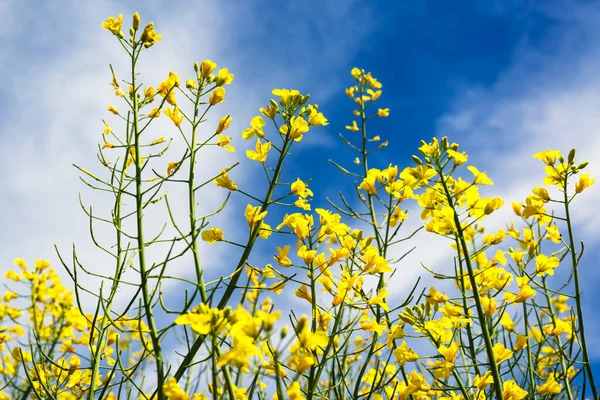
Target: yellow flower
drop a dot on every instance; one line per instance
(243, 348)
(434, 297)
(299, 126)
(553, 234)
(480, 177)
(380, 299)
(224, 123)
(282, 256)
(526, 292)
(223, 77)
(254, 215)
(190, 84)
(287, 96)
(114, 25)
(256, 124)
(459, 158)
(501, 353)
(173, 391)
(507, 322)
(584, 182)
(12, 275)
(431, 150)
(167, 88)
(545, 265)
(224, 181)
(417, 383)
(113, 110)
(269, 112)
(260, 153)
(206, 68)
(374, 94)
(172, 167)
(174, 115)
(155, 113)
(512, 391)
(383, 112)
(353, 127)
(521, 342)
(356, 72)
(489, 305)
(551, 386)
(300, 188)
(371, 325)
(304, 293)
(149, 36)
(548, 157)
(216, 96)
(294, 392)
(316, 118)
(212, 235)
(449, 353)
(224, 142)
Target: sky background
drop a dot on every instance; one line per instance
(503, 79)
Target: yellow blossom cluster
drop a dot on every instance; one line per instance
(504, 322)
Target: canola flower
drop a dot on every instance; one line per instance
(501, 331)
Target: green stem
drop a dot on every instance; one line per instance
(147, 304)
(489, 348)
(586, 360)
(187, 360)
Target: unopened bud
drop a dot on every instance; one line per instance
(444, 143)
(284, 332)
(131, 31)
(582, 165)
(417, 160)
(571, 156)
(136, 21)
(300, 325)
(196, 66)
(304, 99)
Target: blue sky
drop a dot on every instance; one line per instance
(504, 79)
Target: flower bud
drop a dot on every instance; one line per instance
(571, 156)
(136, 21)
(417, 160)
(300, 325)
(304, 99)
(216, 96)
(206, 68)
(190, 84)
(582, 165)
(196, 66)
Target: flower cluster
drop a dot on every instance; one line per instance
(505, 322)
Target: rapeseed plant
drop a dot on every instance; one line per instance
(509, 330)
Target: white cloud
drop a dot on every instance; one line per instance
(548, 98)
